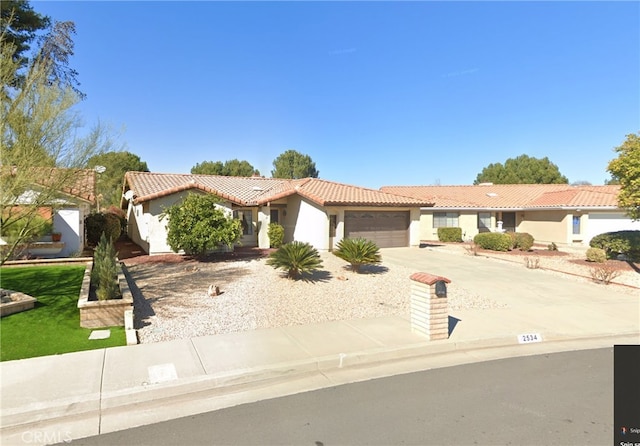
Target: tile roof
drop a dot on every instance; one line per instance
(512, 196)
(252, 191)
(76, 183)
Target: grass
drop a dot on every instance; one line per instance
(53, 326)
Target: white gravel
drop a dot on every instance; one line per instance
(171, 300)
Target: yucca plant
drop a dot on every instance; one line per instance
(295, 258)
(358, 252)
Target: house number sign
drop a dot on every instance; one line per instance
(528, 338)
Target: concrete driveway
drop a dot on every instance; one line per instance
(537, 301)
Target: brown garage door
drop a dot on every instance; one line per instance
(387, 229)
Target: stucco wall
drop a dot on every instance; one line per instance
(467, 221)
(547, 226)
(67, 221)
(312, 224)
(148, 230)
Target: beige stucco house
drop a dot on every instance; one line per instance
(311, 210)
(558, 213)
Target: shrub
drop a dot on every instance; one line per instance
(276, 235)
(197, 225)
(604, 273)
(358, 252)
(532, 262)
(104, 275)
(100, 223)
(524, 241)
(619, 242)
(521, 240)
(472, 248)
(552, 246)
(450, 234)
(122, 217)
(295, 258)
(596, 255)
(494, 241)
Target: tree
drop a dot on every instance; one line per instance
(19, 24)
(231, 168)
(292, 164)
(581, 183)
(199, 224)
(626, 169)
(109, 181)
(41, 152)
(522, 170)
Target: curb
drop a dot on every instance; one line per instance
(134, 400)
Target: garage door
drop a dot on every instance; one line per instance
(609, 222)
(387, 229)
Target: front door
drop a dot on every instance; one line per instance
(509, 221)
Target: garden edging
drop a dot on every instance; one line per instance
(107, 313)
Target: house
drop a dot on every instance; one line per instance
(558, 213)
(67, 207)
(311, 210)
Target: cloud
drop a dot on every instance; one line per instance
(343, 51)
(461, 72)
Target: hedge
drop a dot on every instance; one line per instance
(494, 241)
(450, 234)
(619, 242)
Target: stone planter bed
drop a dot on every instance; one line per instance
(104, 313)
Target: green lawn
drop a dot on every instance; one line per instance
(53, 326)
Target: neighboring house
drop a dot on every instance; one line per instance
(67, 210)
(558, 213)
(311, 210)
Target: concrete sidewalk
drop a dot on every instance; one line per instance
(57, 398)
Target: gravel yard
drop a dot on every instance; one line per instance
(171, 299)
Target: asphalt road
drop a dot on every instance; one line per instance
(555, 399)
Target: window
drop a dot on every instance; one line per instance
(576, 224)
(445, 219)
(274, 215)
(246, 221)
(484, 221)
(333, 224)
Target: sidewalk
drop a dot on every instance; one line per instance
(57, 398)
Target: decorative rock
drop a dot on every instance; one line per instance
(213, 291)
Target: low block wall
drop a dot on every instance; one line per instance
(104, 313)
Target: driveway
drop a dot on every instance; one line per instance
(536, 301)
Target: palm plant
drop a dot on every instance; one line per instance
(295, 258)
(358, 252)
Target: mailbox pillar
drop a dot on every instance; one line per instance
(429, 306)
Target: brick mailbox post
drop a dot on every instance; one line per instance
(429, 306)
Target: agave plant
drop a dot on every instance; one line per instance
(358, 252)
(296, 258)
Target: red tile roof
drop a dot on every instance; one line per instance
(252, 191)
(512, 196)
(76, 183)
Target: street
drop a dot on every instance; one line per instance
(555, 399)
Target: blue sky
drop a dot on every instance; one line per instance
(377, 93)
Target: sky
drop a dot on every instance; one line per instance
(376, 93)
